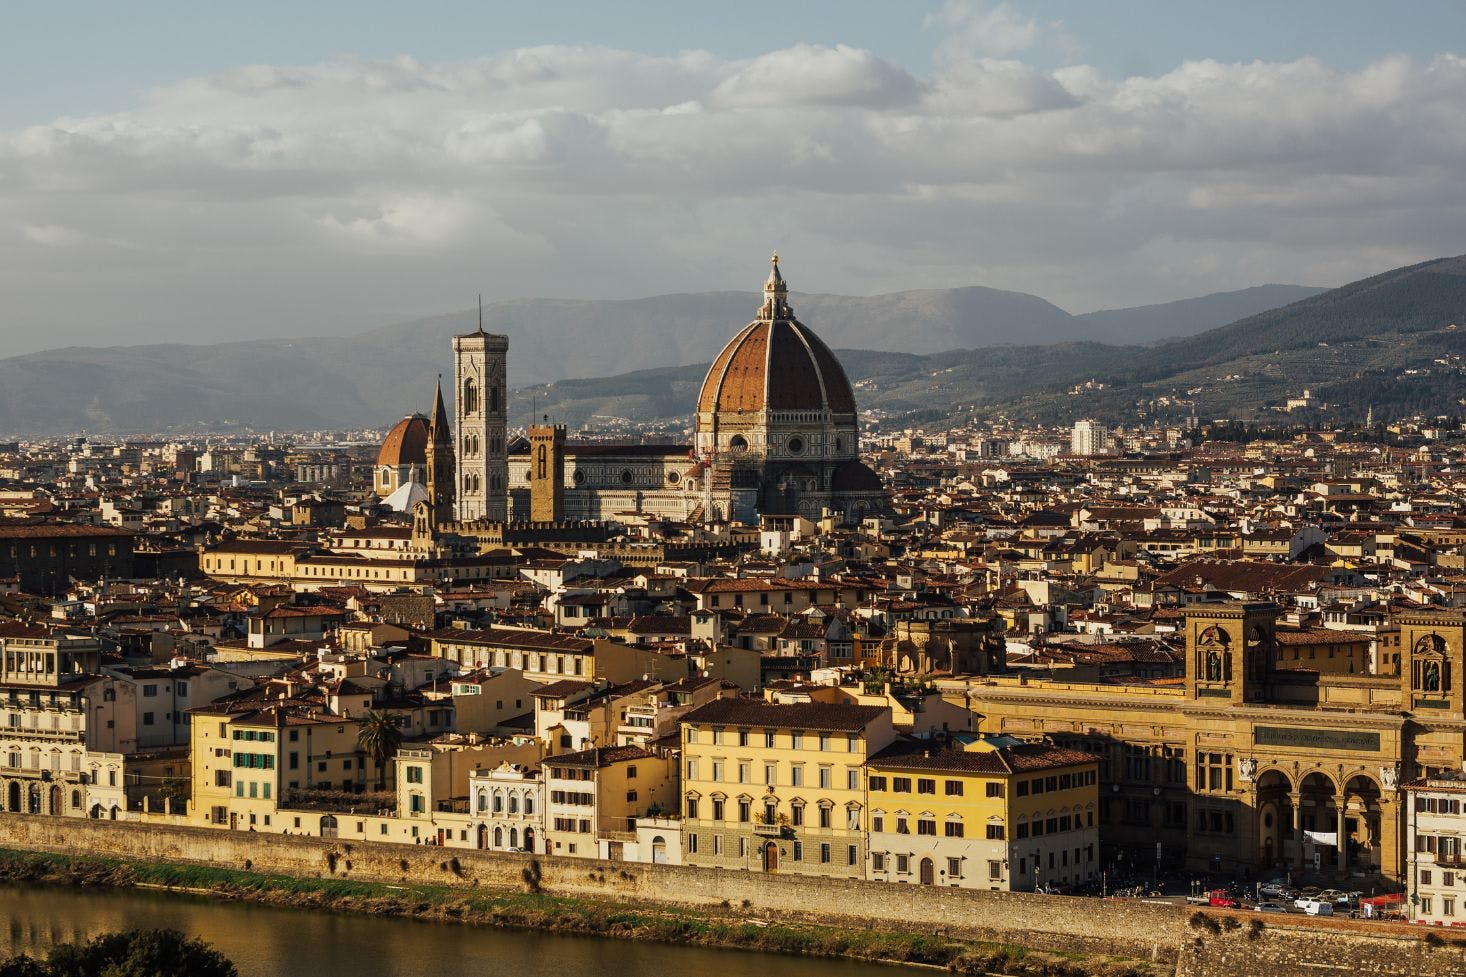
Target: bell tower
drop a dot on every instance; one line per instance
(481, 406)
(1229, 652)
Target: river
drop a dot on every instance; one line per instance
(265, 941)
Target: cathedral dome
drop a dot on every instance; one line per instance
(776, 363)
(405, 444)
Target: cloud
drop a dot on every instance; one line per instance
(971, 29)
(282, 197)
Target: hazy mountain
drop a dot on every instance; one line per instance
(1387, 341)
(372, 378)
(1188, 316)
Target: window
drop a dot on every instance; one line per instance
(692, 840)
(414, 774)
(926, 786)
(926, 825)
(878, 861)
(852, 855)
(745, 771)
(994, 789)
(826, 778)
(955, 829)
(902, 827)
(954, 788)
(852, 778)
(796, 775)
(796, 740)
(768, 739)
(824, 816)
(799, 851)
(796, 814)
(717, 809)
(878, 822)
(692, 810)
(771, 773)
(901, 785)
(903, 864)
(825, 854)
(717, 844)
(718, 770)
(745, 809)
(995, 832)
(877, 782)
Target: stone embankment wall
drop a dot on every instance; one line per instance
(1322, 951)
(1141, 930)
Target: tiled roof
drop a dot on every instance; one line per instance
(838, 717)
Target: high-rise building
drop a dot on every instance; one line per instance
(482, 412)
(1090, 438)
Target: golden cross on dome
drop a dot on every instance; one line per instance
(775, 258)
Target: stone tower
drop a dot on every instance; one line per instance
(440, 462)
(1230, 650)
(482, 410)
(547, 473)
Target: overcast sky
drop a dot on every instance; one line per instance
(186, 171)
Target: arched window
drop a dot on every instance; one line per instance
(483, 801)
(513, 837)
(528, 803)
(513, 803)
(470, 396)
(498, 803)
(498, 837)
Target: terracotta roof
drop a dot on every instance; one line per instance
(406, 443)
(776, 363)
(797, 715)
(913, 754)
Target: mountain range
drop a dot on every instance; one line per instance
(370, 379)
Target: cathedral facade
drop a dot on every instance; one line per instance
(776, 432)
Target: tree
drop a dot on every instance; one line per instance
(379, 738)
(136, 953)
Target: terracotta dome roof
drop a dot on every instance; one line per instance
(406, 443)
(776, 363)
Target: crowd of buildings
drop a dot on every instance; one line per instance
(995, 658)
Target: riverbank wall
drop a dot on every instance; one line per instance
(1165, 934)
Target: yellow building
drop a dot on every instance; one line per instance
(594, 797)
(1244, 765)
(246, 761)
(778, 787)
(982, 813)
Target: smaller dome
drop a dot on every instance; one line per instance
(855, 476)
(406, 443)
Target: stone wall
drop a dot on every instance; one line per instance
(1133, 929)
(1279, 951)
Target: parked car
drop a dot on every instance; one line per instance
(1224, 899)
(1278, 889)
(1271, 907)
(1315, 907)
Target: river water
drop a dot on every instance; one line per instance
(265, 941)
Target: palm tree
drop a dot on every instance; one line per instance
(379, 737)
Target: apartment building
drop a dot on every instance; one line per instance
(982, 813)
(779, 787)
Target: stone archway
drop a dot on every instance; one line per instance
(1362, 824)
(1319, 806)
(1275, 835)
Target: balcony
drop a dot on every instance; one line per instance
(765, 829)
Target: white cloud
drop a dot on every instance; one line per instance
(288, 195)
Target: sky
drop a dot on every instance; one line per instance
(207, 172)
